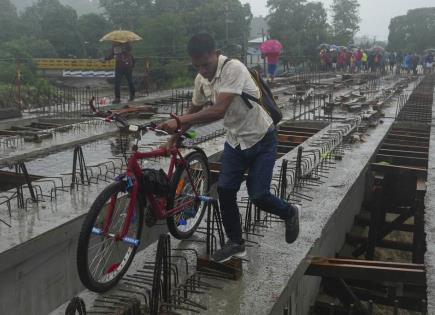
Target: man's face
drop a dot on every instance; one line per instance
(206, 64)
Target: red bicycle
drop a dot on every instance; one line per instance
(111, 231)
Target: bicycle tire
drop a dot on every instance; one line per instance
(83, 243)
(172, 222)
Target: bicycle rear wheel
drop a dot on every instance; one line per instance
(185, 223)
(102, 260)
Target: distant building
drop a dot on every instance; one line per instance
(254, 53)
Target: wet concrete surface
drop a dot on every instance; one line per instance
(263, 283)
(39, 250)
(275, 269)
(429, 258)
(42, 217)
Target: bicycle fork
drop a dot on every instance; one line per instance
(133, 185)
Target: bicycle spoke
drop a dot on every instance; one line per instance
(95, 245)
(194, 182)
(105, 260)
(101, 256)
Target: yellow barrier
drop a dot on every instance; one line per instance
(74, 64)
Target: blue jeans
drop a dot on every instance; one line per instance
(271, 68)
(259, 160)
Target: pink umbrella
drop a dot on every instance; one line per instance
(271, 46)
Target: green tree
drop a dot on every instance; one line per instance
(23, 49)
(49, 19)
(92, 27)
(126, 14)
(227, 21)
(299, 26)
(315, 28)
(413, 32)
(27, 46)
(172, 37)
(9, 23)
(345, 20)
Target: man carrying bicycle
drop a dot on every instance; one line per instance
(251, 142)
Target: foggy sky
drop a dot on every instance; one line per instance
(375, 14)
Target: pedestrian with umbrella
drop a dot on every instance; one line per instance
(121, 51)
(429, 62)
(271, 49)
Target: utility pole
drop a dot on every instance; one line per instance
(243, 52)
(264, 57)
(227, 28)
(226, 22)
(18, 81)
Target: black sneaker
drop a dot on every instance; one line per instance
(229, 250)
(131, 99)
(116, 101)
(292, 224)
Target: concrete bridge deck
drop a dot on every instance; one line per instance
(273, 275)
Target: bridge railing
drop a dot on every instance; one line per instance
(74, 64)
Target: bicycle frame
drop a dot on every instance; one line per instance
(133, 176)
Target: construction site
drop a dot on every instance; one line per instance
(354, 150)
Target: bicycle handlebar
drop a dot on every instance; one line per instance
(177, 119)
(109, 116)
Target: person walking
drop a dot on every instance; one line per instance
(124, 64)
(272, 64)
(429, 62)
(251, 143)
(408, 63)
(415, 61)
(358, 59)
(364, 60)
(341, 60)
(271, 50)
(392, 61)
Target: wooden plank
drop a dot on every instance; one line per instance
(367, 270)
(402, 246)
(408, 138)
(301, 129)
(401, 160)
(406, 142)
(296, 133)
(291, 138)
(392, 146)
(422, 133)
(10, 180)
(404, 153)
(398, 169)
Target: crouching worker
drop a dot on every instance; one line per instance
(251, 143)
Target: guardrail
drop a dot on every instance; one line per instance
(74, 64)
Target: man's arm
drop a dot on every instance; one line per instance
(111, 55)
(210, 114)
(192, 110)
(174, 138)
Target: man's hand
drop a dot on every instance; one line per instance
(170, 126)
(170, 143)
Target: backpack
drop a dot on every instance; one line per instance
(155, 182)
(266, 100)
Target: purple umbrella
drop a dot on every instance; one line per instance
(271, 46)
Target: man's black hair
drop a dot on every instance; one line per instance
(201, 44)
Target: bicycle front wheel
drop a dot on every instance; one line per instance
(195, 175)
(102, 260)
